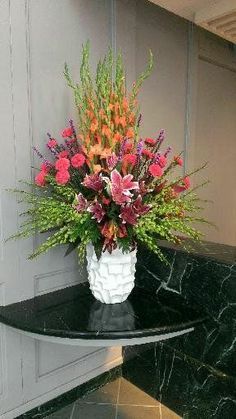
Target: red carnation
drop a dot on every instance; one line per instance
(44, 168)
(62, 177)
(40, 179)
(52, 143)
(178, 160)
(62, 164)
(147, 153)
(130, 159)
(162, 161)
(187, 182)
(128, 147)
(150, 141)
(63, 153)
(78, 160)
(67, 132)
(155, 170)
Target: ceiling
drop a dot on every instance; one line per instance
(217, 16)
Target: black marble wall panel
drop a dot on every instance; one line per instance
(187, 386)
(208, 282)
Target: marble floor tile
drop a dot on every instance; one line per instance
(93, 411)
(64, 413)
(137, 412)
(106, 394)
(131, 395)
(119, 399)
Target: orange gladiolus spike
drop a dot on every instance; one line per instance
(130, 133)
(94, 126)
(123, 121)
(101, 113)
(91, 104)
(117, 137)
(131, 118)
(108, 133)
(125, 104)
(104, 128)
(117, 120)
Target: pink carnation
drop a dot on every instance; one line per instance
(62, 177)
(62, 164)
(130, 159)
(40, 179)
(52, 143)
(44, 168)
(67, 132)
(147, 153)
(63, 153)
(78, 160)
(162, 160)
(178, 160)
(150, 141)
(155, 170)
(181, 188)
(187, 182)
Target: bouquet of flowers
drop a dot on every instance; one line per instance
(103, 183)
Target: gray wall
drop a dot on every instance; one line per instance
(37, 36)
(192, 94)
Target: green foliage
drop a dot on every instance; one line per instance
(168, 219)
(55, 213)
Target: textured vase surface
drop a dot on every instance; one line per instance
(111, 278)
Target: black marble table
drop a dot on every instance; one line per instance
(72, 316)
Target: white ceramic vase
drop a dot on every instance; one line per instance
(111, 278)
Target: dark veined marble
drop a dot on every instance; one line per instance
(194, 375)
(185, 385)
(74, 313)
(208, 283)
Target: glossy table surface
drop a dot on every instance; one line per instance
(73, 316)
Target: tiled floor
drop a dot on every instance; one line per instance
(119, 399)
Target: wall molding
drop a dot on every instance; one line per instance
(55, 280)
(217, 63)
(39, 376)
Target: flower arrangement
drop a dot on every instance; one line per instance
(104, 184)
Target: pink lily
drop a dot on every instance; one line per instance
(139, 207)
(81, 203)
(97, 211)
(121, 187)
(128, 215)
(93, 181)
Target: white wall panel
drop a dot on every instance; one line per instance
(46, 363)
